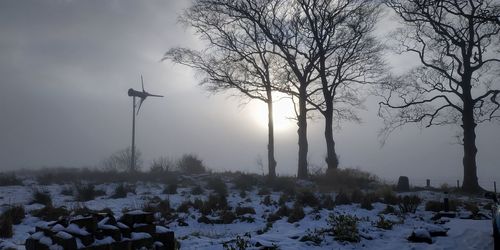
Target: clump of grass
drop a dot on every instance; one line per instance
(214, 203)
(244, 210)
(267, 200)
(347, 179)
(283, 184)
(87, 192)
(5, 227)
(366, 203)
(389, 209)
(327, 202)
(344, 227)
(16, 213)
(50, 213)
(184, 206)
(41, 197)
(388, 196)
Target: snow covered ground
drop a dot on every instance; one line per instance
(462, 233)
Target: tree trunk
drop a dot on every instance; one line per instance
(270, 146)
(331, 156)
(470, 183)
(302, 134)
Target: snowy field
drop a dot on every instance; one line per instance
(256, 230)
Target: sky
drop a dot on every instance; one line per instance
(66, 66)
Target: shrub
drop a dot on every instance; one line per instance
(267, 200)
(214, 203)
(283, 199)
(283, 210)
(240, 243)
(389, 209)
(87, 192)
(245, 182)
(161, 207)
(170, 189)
(314, 237)
(196, 190)
(297, 213)
(283, 184)
(383, 223)
(434, 206)
(409, 203)
(217, 185)
(344, 227)
(68, 191)
(9, 180)
(244, 210)
(184, 207)
(41, 197)
(357, 196)
(327, 202)
(389, 196)
(264, 191)
(307, 198)
(190, 164)
(122, 190)
(5, 227)
(342, 198)
(471, 207)
(197, 203)
(161, 165)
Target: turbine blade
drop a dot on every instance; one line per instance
(142, 82)
(140, 105)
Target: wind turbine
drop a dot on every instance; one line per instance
(143, 95)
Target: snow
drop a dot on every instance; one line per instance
(463, 234)
(104, 241)
(64, 235)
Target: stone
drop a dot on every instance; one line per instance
(403, 184)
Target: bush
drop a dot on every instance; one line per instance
(161, 166)
(307, 198)
(434, 206)
(240, 243)
(344, 227)
(389, 209)
(383, 223)
(283, 199)
(245, 182)
(217, 185)
(161, 207)
(283, 184)
(122, 190)
(409, 203)
(214, 203)
(9, 180)
(170, 189)
(267, 200)
(16, 213)
(41, 197)
(5, 227)
(389, 196)
(196, 190)
(297, 213)
(190, 164)
(314, 237)
(87, 192)
(264, 191)
(342, 198)
(357, 196)
(68, 191)
(366, 203)
(184, 207)
(348, 178)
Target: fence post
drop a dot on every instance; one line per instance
(428, 183)
(458, 184)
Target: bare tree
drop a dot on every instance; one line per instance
(236, 58)
(348, 56)
(120, 161)
(457, 44)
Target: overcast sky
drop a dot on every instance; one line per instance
(65, 68)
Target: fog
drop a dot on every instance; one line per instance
(66, 66)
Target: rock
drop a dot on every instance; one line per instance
(420, 235)
(403, 184)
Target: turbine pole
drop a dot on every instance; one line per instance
(132, 157)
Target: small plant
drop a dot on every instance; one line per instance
(344, 227)
(297, 213)
(314, 237)
(67, 190)
(283, 184)
(214, 203)
(389, 209)
(217, 185)
(16, 213)
(184, 207)
(389, 197)
(190, 164)
(267, 200)
(434, 206)
(366, 202)
(87, 192)
(122, 190)
(409, 203)
(50, 213)
(383, 223)
(196, 190)
(41, 197)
